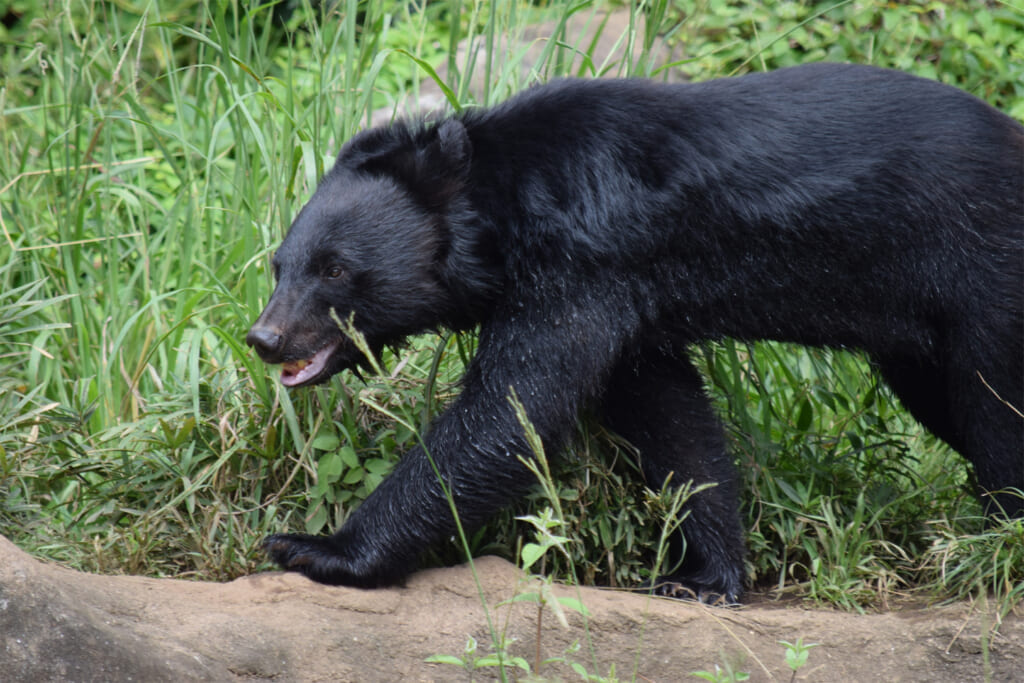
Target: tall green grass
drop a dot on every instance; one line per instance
(154, 153)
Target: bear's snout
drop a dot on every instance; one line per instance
(266, 341)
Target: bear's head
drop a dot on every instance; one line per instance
(376, 245)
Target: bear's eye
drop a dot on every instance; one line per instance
(334, 272)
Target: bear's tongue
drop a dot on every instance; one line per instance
(294, 373)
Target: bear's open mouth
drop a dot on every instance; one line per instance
(298, 372)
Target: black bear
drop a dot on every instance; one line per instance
(593, 229)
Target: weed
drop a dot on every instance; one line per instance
(471, 662)
(726, 673)
(797, 654)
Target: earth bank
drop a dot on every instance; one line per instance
(59, 624)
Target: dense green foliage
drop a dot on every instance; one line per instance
(152, 155)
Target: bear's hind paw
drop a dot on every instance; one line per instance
(668, 588)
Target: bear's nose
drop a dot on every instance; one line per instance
(265, 340)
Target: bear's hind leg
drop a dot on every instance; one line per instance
(656, 401)
(986, 403)
(972, 406)
(923, 392)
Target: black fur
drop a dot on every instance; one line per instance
(593, 229)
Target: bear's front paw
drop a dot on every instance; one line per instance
(335, 560)
(292, 551)
(317, 557)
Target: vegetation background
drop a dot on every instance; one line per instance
(152, 156)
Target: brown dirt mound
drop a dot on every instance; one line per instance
(58, 624)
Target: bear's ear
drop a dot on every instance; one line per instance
(442, 165)
(433, 163)
(453, 146)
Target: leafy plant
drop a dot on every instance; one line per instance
(722, 674)
(987, 561)
(797, 654)
(471, 662)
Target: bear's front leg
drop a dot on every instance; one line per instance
(409, 511)
(380, 542)
(554, 362)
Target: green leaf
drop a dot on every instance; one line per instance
(354, 476)
(429, 70)
(527, 596)
(317, 521)
(803, 420)
(329, 468)
(574, 604)
(348, 456)
(498, 660)
(796, 658)
(530, 553)
(326, 441)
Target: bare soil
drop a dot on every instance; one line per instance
(59, 624)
